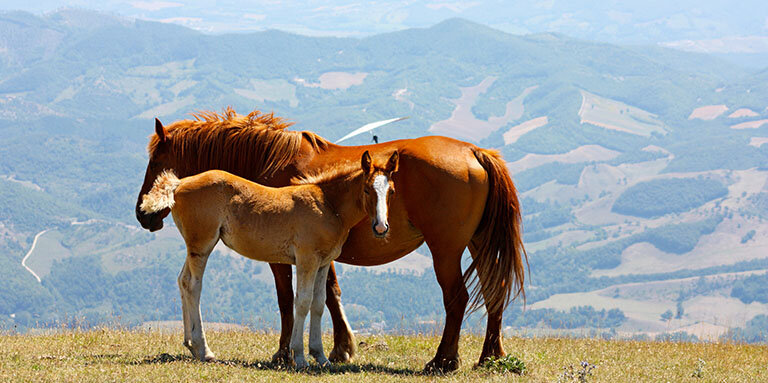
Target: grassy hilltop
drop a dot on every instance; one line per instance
(115, 355)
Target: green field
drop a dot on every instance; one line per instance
(115, 355)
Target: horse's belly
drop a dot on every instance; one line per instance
(363, 249)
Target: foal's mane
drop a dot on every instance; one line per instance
(255, 145)
(338, 171)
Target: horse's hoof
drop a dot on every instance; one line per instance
(339, 356)
(282, 357)
(209, 357)
(342, 353)
(440, 365)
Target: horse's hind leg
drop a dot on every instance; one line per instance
(190, 285)
(315, 320)
(492, 346)
(344, 346)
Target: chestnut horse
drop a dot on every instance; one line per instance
(452, 195)
(305, 225)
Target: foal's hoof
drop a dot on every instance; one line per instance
(282, 357)
(323, 362)
(204, 355)
(208, 357)
(440, 365)
(300, 363)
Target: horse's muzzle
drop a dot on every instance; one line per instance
(151, 222)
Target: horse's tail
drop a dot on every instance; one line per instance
(161, 195)
(498, 241)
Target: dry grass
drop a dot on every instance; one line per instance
(114, 355)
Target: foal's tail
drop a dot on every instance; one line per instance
(498, 241)
(161, 195)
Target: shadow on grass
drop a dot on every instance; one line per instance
(343, 368)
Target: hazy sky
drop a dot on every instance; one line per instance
(630, 21)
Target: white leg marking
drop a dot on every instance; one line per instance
(305, 278)
(184, 277)
(316, 319)
(192, 284)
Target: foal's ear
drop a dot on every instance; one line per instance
(393, 163)
(365, 162)
(160, 130)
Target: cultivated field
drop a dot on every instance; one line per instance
(113, 355)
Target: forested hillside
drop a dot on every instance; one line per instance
(642, 170)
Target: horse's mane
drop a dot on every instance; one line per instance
(339, 170)
(255, 145)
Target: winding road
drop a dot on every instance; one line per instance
(31, 249)
(73, 223)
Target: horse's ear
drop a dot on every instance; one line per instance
(365, 162)
(160, 130)
(393, 163)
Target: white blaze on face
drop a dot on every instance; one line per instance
(381, 186)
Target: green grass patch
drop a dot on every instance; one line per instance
(505, 364)
(563, 173)
(665, 196)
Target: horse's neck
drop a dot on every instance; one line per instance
(343, 196)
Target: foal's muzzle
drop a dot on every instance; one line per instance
(380, 230)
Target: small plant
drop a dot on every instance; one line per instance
(571, 374)
(698, 372)
(505, 364)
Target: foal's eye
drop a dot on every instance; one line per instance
(366, 191)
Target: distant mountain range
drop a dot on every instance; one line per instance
(642, 169)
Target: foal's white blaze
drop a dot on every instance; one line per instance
(381, 186)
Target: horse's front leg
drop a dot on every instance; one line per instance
(306, 271)
(316, 319)
(283, 276)
(447, 264)
(344, 346)
(190, 285)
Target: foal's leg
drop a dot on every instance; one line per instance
(344, 346)
(186, 320)
(316, 319)
(190, 285)
(306, 271)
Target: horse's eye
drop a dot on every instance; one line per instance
(366, 191)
